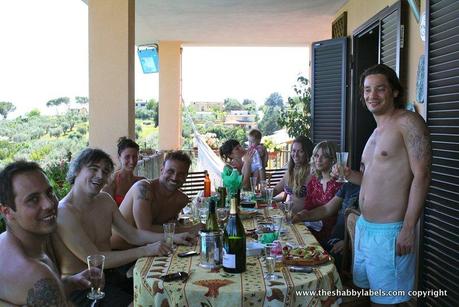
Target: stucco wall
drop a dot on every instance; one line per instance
(359, 11)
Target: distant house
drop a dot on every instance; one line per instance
(82, 111)
(241, 118)
(207, 106)
(140, 104)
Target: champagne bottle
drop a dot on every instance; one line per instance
(211, 224)
(234, 252)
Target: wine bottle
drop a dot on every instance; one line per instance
(207, 185)
(211, 223)
(234, 252)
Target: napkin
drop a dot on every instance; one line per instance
(314, 225)
(232, 180)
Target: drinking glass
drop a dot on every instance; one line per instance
(222, 214)
(268, 249)
(341, 160)
(288, 212)
(263, 187)
(96, 269)
(270, 267)
(203, 212)
(269, 197)
(277, 220)
(169, 231)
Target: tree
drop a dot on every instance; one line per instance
(297, 116)
(57, 102)
(272, 108)
(153, 106)
(268, 125)
(33, 113)
(81, 100)
(275, 100)
(249, 105)
(232, 104)
(6, 107)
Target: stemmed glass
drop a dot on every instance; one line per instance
(96, 269)
(341, 160)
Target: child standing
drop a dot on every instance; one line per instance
(254, 139)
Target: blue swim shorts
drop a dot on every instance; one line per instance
(376, 265)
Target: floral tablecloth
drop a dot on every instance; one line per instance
(207, 287)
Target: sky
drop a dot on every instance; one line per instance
(44, 55)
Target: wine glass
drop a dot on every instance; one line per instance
(222, 214)
(96, 269)
(341, 160)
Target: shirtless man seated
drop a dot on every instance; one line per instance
(394, 178)
(85, 221)
(150, 203)
(28, 276)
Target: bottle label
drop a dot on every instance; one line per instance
(229, 260)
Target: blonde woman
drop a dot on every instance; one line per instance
(322, 187)
(295, 180)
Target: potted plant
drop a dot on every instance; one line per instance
(273, 149)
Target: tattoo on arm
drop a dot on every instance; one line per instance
(418, 140)
(144, 192)
(45, 292)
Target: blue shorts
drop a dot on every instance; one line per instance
(376, 265)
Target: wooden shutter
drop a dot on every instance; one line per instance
(390, 39)
(328, 91)
(439, 265)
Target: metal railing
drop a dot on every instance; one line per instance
(150, 166)
(278, 159)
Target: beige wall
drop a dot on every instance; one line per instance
(170, 110)
(359, 11)
(111, 72)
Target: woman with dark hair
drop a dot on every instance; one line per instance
(124, 178)
(235, 156)
(298, 173)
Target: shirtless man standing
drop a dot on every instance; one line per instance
(27, 275)
(150, 203)
(85, 221)
(394, 178)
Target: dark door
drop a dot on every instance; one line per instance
(366, 51)
(377, 41)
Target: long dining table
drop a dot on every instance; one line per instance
(215, 287)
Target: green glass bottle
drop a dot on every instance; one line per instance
(211, 223)
(234, 246)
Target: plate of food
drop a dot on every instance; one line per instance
(304, 255)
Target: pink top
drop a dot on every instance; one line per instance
(316, 197)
